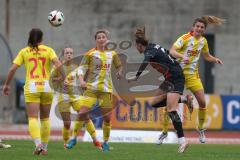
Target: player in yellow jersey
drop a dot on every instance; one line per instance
(96, 66)
(71, 99)
(187, 49)
(37, 59)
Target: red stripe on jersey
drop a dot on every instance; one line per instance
(187, 36)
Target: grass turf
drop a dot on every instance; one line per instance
(22, 150)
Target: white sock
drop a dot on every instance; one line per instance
(45, 146)
(181, 140)
(37, 142)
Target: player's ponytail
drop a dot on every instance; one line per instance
(140, 36)
(209, 20)
(35, 37)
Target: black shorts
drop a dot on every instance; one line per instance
(174, 84)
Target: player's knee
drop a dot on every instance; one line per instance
(107, 119)
(202, 104)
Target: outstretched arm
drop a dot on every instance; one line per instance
(139, 72)
(208, 57)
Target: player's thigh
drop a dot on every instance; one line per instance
(45, 104)
(64, 106)
(200, 96)
(77, 103)
(193, 83)
(32, 97)
(32, 101)
(66, 117)
(45, 111)
(46, 98)
(105, 100)
(106, 114)
(33, 109)
(89, 99)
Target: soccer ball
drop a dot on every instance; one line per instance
(56, 18)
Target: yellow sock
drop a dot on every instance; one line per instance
(77, 126)
(202, 115)
(106, 130)
(165, 121)
(91, 129)
(33, 128)
(65, 134)
(45, 130)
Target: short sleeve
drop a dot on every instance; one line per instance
(52, 54)
(179, 43)
(116, 60)
(205, 48)
(84, 65)
(19, 58)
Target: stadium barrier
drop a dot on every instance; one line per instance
(223, 113)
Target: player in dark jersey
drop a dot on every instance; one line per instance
(158, 58)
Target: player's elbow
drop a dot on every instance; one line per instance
(13, 68)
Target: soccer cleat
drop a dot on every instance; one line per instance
(202, 137)
(161, 138)
(65, 146)
(2, 145)
(71, 143)
(97, 144)
(105, 147)
(38, 149)
(189, 103)
(182, 148)
(44, 152)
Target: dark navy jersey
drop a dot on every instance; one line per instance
(161, 60)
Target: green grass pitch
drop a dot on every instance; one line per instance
(22, 150)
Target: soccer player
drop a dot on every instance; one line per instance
(187, 49)
(170, 91)
(96, 66)
(71, 99)
(37, 59)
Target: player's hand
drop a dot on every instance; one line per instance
(133, 78)
(218, 61)
(185, 59)
(6, 90)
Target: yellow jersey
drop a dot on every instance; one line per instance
(96, 67)
(192, 48)
(72, 93)
(38, 67)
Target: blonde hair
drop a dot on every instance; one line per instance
(140, 37)
(209, 20)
